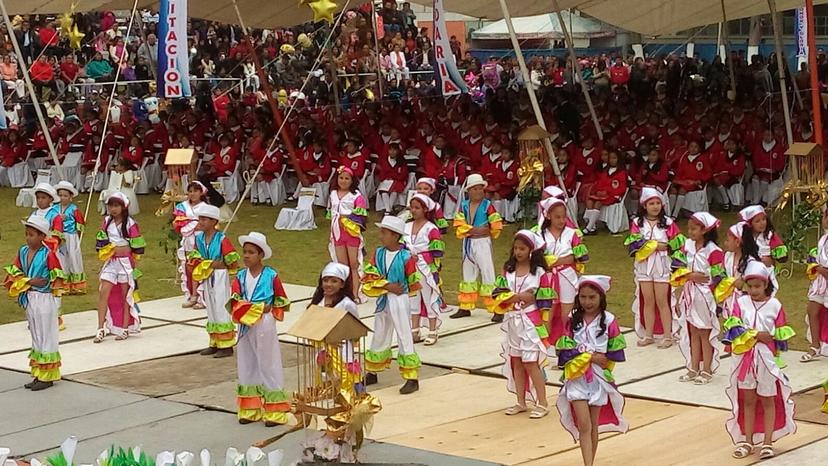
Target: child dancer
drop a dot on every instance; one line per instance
(759, 392)
(423, 240)
(258, 300)
(558, 193)
(347, 209)
(817, 317)
(46, 197)
(589, 403)
(185, 222)
(334, 289)
(391, 276)
(653, 238)
(565, 254)
(477, 223)
(35, 278)
(73, 225)
(212, 262)
(738, 254)
(428, 186)
(699, 270)
(524, 348)
(771, 248)
(119, 244)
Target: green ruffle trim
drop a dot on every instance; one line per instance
(136, 274)
(138, 242)
(632, 238)
(676, 243)
(77, 277)
(779, 252)
(543, 332)
(328, 214)
(13, 270)
(194, 254)
(44, 358)
(608, 376)
(101, 236)
(370, 269)
(378, 357)
(220, 327)
(536, 228)
(409, 361)
(231, 258)
(565, 343)
(580, 251)
(732, 322)
(468, 287)
(501, 282)
(680, 256)
(616, 343)
(545, 293)
(249, 390)
(495, 217)
(274, 396)
(783, 333)
(359, 211)
(414, 278)
(486, 290)
(280, 302)
(717, 271)
(441, 224)
(437, 245)
(54, 274)
(813, 253)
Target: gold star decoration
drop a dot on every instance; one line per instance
(323, 10)
(75, 38)
(66, 22)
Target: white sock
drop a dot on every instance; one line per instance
(678, 205)
(672, 198)
(593, 218)
(723, 195)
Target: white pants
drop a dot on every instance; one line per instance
(42, 316)
(216, 295)
(395, 318)
(260, 355)
(478, 267)
(72, 257)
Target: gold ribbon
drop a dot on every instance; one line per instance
(530, 171)
(19, 286)
(168, 200)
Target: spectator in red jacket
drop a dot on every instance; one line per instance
(619, 73)
(504, 181)
(43, 74)
(610, 186)
(393, 175)
(693, 172)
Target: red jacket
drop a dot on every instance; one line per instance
(274, 160)
(768, 165)
(569, 174)
(728, 168)
(225, 160)
(587, 164)
(505, 180)
(609, 188)
(653, 175)
(42, 71)
(619, 74)
(455, 170)
(489, 166)
(693, 174)
(356, 162)
(13, 153)
(431, 163)
(398, 173)
(133, 155)
(317, 167)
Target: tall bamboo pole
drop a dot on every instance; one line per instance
(780, 67)
(728, 61)
(816, 98)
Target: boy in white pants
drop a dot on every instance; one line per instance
(477, 223)
(391, 276)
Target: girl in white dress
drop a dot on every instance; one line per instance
(185, 222)
(699, 271)
(424, 240)
(772, 250)
(526, 339)
(817, 317)
(348, 211)
(589, 402)
(760, 394)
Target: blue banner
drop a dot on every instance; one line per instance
(448, 76)
(173, 54)
(801, 34)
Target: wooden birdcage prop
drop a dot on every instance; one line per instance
(807, 166)
(533, 157)
(329, 360)
(181, 167)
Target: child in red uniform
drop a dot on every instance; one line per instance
(768, 159)
(654, 173)
(728, 170)
(353, 159)
(392, 172)
(610, 186)
(693, 172)
(505, 183)
(587, 162)
(432, 157)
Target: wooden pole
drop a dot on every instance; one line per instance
(334, 80)
(816, 97)
(532, 97)
(728, 61)
(32, 94)
(375, 26)
(780, 67)
(576, 67)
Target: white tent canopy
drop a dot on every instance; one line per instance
(648, 17)
(545, 27)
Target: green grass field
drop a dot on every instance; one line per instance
(299, 257)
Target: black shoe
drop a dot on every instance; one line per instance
(497, 318)
(208, 351)
(245, 421)
(460, 314)
(410, 386)
(224, 353)
(30, 384)
(371, 378)
(271, 424)
(40, 385)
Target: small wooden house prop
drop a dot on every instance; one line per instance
(180, 162)
(807, 165)
(330, 360)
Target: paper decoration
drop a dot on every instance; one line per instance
(323, 10)
(75, 38)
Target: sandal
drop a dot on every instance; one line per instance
(199, 306)
(646, 341)
(689, 376)
(812, 354)
(539, 412)
(516, 409)
(431, 338)
(766, 452)
(123, 336)
(742, 450)
(665, 343)
(704, 378)
(99, 335)
(415, 336)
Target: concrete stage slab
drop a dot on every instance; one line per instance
(11, 380)
(170, 310)
(693, 437)
(815, 453)
(809, 407)
(15, 336)
(472, 349)
(517, 439)
(440, 400)
(666, 387)
(83, 356)
(298, 293)
(100, 423)
(23, 410)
